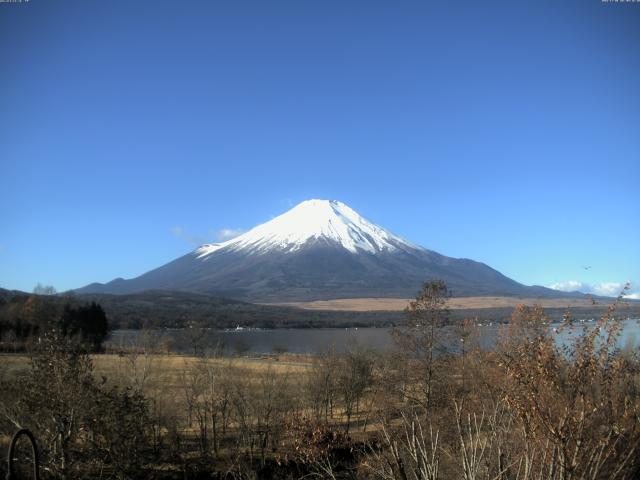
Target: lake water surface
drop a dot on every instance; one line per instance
(311, 340)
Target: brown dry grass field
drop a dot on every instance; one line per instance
(162, 376)
(169, 365)
(399, 304)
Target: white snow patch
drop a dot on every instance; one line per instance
(332, 221)
(208, 248)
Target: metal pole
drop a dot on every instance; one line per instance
(11, 475)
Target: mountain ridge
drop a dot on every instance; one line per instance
(318, 250)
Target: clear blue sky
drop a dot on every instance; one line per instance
(503, 131)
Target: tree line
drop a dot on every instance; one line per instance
(25, 319)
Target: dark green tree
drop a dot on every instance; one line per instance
(88, 322)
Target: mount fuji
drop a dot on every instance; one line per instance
(318, 250)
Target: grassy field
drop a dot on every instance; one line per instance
(166, 369)
(399, 304)
(163, 377)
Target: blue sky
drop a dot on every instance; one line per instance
(507, 132)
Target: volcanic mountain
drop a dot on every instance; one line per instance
(318, 250)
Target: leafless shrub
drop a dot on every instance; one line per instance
(318, 450)
(76, 420)
(406, 452)
(579, 405)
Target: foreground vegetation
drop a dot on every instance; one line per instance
(528, 410)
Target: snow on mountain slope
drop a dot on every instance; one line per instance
(313, 220)
(318, 250)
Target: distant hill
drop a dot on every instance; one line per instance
(164, 309)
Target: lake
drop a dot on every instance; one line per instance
(310, 341)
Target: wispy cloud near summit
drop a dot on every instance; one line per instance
(191, 239)
(220, 235)
(228, 233)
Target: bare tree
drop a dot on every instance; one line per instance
(40, 289)
(321, 384)
(353, 379)
(419, 336)
(410, 452)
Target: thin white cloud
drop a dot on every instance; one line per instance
(187, 237)
(225, 234)
(608, 289)
(568, 286)
(221, 235)
(177, 231)
(605, 289)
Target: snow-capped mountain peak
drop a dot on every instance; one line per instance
(318, 250)
(325, 220)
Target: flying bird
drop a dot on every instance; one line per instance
(586, 267)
